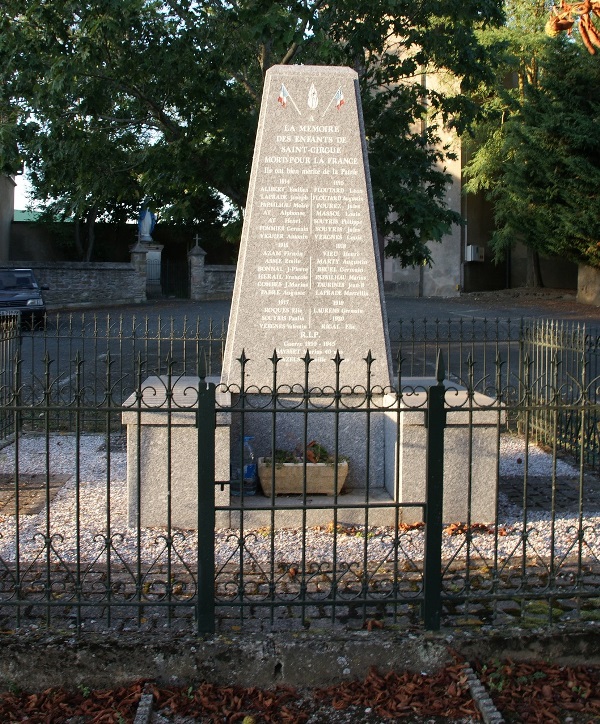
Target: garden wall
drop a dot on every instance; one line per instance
(218, 281)
(75, 284)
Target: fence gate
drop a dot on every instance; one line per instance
(173, 275)
(283, 554)
(175, 279)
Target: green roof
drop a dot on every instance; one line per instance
(26, 215)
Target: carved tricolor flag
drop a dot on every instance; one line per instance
(283, 96)
(339, 99)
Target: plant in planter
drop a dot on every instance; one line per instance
(287, 469)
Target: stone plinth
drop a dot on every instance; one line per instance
(138, 260)
(155, 433)
(395, 459)
(288, 511)
(475, 424)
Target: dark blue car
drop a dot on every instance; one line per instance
(20, 291)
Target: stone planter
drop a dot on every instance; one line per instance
(289, 477)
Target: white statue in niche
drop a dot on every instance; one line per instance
(146, 222)
(313, 98)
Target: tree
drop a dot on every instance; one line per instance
(167, 93)
(536, 152)
(81, 175)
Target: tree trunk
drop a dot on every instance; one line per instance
(91, 236)
(534, 272)
(78, 246)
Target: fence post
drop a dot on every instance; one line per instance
(206, 422)
(138, 261)
(435, 420)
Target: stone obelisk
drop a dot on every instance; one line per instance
(309, 274)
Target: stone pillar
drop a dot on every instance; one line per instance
(155, 434)
(196, 259)
(470, 451)
(588, 285)
(138, 261)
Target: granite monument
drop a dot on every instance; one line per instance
(309, 274)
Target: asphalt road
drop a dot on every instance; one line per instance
(506, 304)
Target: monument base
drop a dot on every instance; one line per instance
(318, 512)
(470, 453)
(162, 446)
(385, 445)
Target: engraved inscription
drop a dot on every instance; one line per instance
(315, 223)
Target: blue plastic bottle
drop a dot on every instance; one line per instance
(249, 470)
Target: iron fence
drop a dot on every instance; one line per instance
(175, 279)
(482, 353)
(95, 362)
(110, 513)
(10, 324)
(560, 363)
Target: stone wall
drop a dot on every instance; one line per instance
(76, 284)
(218, 281)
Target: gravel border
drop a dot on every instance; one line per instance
(61, 454)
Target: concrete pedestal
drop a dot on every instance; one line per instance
(155, 434)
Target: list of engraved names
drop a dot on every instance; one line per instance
(315, 231)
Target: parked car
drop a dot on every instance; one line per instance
(20, 291)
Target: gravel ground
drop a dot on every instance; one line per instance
(91, 497)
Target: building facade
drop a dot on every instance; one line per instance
(7, 211)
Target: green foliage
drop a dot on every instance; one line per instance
(113, 100)
(314, 453)
(536, 149)
(84, 690)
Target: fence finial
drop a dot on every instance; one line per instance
(201, 362)
(440, 369)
